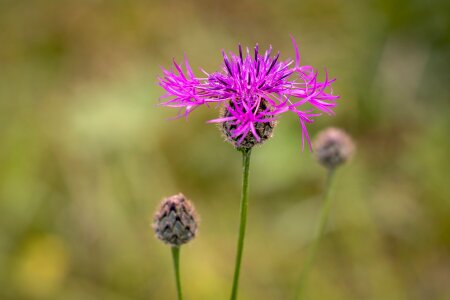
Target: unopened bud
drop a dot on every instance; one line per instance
(175, 222)
(333, 147)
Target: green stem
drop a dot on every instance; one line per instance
(243, 221)
(176, 266)
(325, 211)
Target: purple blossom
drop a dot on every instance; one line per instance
(244, 82)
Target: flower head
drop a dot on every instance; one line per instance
(175, 221)
(254, 88)
(333, 147)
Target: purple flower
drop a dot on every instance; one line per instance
(254, 88)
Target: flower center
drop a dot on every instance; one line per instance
(264, 130)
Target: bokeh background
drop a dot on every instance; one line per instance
(86, 154)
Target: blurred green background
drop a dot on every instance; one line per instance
(86, 154)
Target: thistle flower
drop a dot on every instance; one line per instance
(333, 147)
(253, 90)
(175, 221)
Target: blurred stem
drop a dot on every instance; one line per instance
(176, 266)
(243, 220)
(325, 211)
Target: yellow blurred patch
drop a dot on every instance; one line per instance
(42, 267)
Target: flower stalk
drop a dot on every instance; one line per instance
(323, 219)
(333, 147)
(243, 220)
(176, 266)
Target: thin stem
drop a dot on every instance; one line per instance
(243, 221)
(325, 211)
(176, 266)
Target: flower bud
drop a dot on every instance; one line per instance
(333, 147)
(264, 130)
(175, 221)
